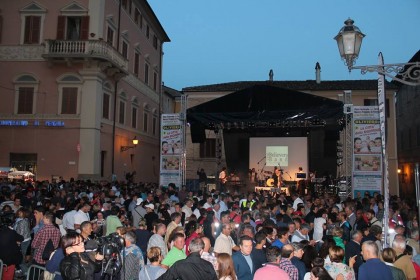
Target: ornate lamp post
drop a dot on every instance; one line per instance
(349, 40)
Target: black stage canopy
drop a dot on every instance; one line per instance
(263, 107)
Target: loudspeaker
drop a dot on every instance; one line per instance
(198, 134)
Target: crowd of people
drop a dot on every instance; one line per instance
(100, 230)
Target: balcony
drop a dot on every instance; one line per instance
(111, 61)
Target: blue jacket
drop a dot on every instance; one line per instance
(374, 269)
(53, 265)
(242, 268)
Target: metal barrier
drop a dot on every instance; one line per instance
(1, 269)
(35, 272)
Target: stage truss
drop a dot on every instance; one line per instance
(345, 147)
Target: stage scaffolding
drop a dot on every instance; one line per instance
(345, 148)
(183, 118)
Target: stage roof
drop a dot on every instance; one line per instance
(263, 106)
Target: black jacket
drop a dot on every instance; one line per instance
(10, 251)
(72, 267)
(192, 268)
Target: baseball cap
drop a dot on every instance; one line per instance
(150, 205)
(139, 201)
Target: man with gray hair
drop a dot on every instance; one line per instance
(296, 259)
(373, 268)
(193, 267)
(413, 241)
(354, 248)
(133, 258)
(402, 260)
(302, 233)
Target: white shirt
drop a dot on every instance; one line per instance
(80, 217)
(68, 219)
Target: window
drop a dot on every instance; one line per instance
(147, 31)
(154, 122)
(130, 6)
(73, 28)
(124, 49)
(124, 4)
(146, 73)
(25, 100)
(134, 117)
(374, 102)
(32, 30)
(105, 106)
(418, 135)
(155, 77)
(409, 142)
(69, 100)
(121, 116)
(155, 42)
(32, 18)
(26, 87)
(145, 121)
(137, 16)
(69, 88)
(136, 63)
(208, 148)
(110, 36)
(1, 26)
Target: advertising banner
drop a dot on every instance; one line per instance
(367, 151)
(171, 149)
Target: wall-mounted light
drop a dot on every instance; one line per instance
(135, 143)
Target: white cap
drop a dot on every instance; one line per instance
(139, 201)
(150, 205)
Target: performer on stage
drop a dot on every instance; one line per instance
(277, 176)
(223, 178)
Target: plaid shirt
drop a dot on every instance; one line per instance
(41, 238)
(287, 266)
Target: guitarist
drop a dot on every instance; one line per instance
(223, 178)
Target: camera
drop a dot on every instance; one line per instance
(110, 247)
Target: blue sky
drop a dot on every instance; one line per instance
(215, 41)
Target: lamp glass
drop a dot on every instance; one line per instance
(135, 141)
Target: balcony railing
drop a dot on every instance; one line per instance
(85, 49)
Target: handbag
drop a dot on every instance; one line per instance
(8, 272)
(48, 249)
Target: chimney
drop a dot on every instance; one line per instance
(318, 73)
(271, 75)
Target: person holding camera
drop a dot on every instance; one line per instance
(76, 263)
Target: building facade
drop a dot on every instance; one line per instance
(363, 93)
(80, 80)
(408, 134)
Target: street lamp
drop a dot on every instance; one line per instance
(135, 142)
(349, 40)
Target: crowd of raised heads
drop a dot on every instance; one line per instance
(172, 232)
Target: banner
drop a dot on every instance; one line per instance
(171, 149)
(367, 151)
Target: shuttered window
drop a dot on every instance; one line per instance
(69, 100)
(73, 28)
(25, 100)
(32, 30)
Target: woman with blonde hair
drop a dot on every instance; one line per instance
(153, 270)
(337, 269)
(225, 268)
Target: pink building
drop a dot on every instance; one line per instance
(79, 80)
